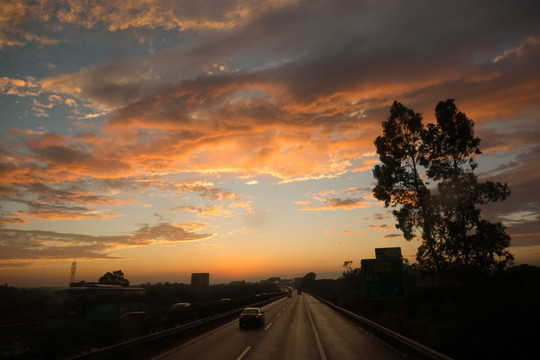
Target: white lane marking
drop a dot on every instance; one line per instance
(278, 315)
(244, 353)
(317, 338)
(266, 328)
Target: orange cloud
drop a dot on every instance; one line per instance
(143, 14)
(19, 87)
(350, 233)
(310, 111)
(216, 211)
(14, 14)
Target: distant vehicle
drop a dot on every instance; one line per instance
(299, 291)
(180, 313)
(289, 295)
(180, 305)
(251, 316)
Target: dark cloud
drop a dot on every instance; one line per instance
(317, 48)
(14, 265)
(36, 244)
(520, 212)
(381, 227)
(337, 204)
(66, 200)
(344, 203)
(391, 236)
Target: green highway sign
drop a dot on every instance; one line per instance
(389, 252)
(383, 278)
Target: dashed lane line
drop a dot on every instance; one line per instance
(244, 353)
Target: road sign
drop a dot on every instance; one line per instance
(383, 278)
(388, 253)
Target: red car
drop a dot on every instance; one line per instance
(251, 316)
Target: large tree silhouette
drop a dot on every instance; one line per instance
(427, 175)
(114, 278)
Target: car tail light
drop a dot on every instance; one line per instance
(256, 316)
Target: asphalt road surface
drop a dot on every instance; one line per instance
(300, 327)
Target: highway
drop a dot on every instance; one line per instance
(300, 327)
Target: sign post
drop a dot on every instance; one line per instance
(383, 276)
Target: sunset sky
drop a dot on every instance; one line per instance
(235, 137)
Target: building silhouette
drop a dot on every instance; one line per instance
(200, 283)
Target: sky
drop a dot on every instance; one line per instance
(235, 137)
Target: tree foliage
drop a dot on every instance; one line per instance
(308, 280)
(427, 176)
(114, 278)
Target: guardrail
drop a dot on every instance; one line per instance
(141, 347)
(387, 334)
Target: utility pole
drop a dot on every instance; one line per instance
(73, 269)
